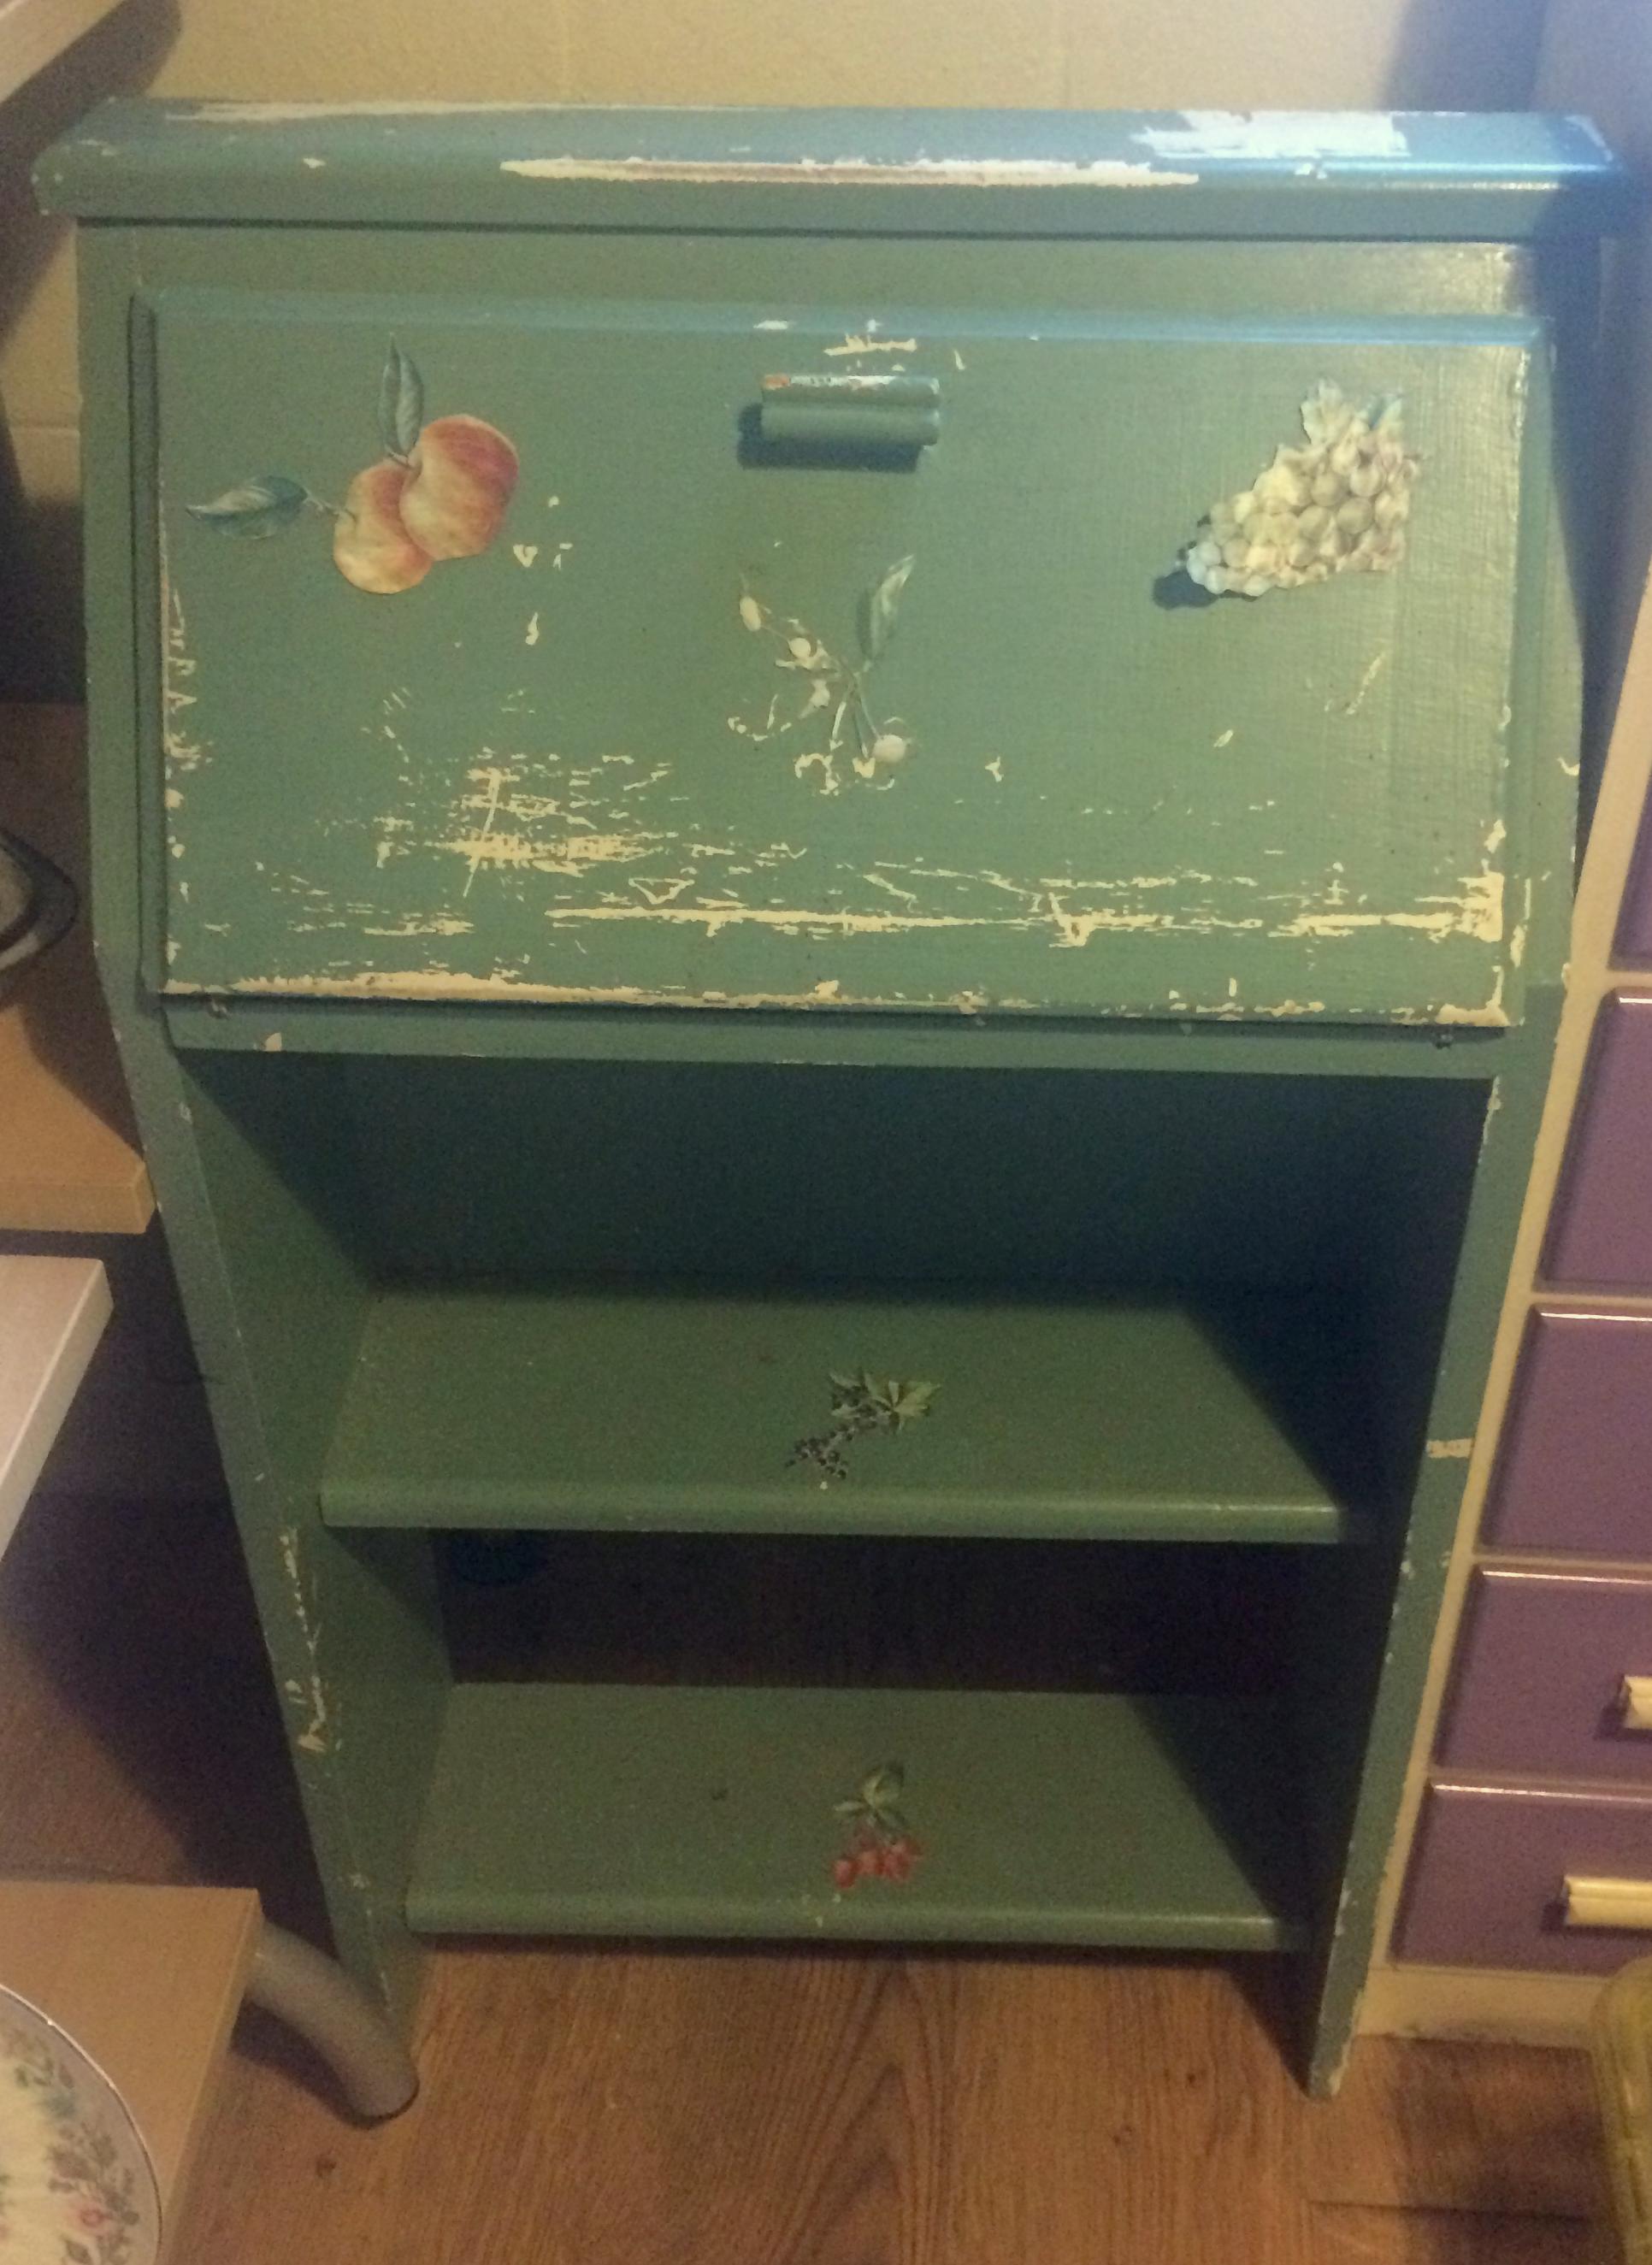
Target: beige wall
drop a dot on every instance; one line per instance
(1099, 54)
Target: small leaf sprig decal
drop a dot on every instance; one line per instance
(439, 491)
(880, 1844)
(875, 615)
(835, 702)
(259, 507)
(401, 404)
(861, 1406)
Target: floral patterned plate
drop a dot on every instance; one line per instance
(76, 2184)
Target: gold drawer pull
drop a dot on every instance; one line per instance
(1635, 1702)
(1607, 1902)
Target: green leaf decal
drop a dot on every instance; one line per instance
(877, 608)
(401, 403)
(258, 507)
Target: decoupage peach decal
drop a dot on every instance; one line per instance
(438, 492)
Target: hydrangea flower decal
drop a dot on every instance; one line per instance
(1337, 505)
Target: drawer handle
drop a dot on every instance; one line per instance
(1635, 1702)
(1606, 1903)
(871, 415)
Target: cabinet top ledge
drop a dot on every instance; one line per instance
(1425, 175)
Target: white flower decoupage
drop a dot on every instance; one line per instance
(1337, 506)
(832, 712)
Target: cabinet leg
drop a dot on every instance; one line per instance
(316, 1997)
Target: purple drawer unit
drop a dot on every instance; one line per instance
(1488, 1874)
(1540, 1675)
(1635, 918)
(1575, 1468)
(1600, 1231)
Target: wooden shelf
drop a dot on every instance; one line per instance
(613, 1810)
(68, 1160)
(678, 1410)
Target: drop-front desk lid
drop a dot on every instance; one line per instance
(684, 617)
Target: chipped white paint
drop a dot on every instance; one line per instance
(1224, 738)
(995, 769)
(531, 635)
(178, 671)
(1373, 670)
(1494, 1104)
(1279, 136)
(1454, 1451)
(271, 1044)
(315, 1737)
(174, 799)
(1477, 912)
(313, 165)
(881, 881)
(1522, 927)
(861, 172)
(524, 553)
(772, 322)
(429, 923)
(573, 854)
(1493, 1015)
(856, 342)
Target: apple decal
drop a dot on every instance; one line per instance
(438, 492)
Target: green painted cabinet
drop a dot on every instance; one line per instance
(833, 852)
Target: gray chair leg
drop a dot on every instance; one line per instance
(317, 1999)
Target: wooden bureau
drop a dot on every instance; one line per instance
(833, 853)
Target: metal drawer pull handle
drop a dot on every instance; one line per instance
(1635, 1702)
(1606, 1903)
(885, 415)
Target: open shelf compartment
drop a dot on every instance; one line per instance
(686, 1410)
(617, 1295)
(1042, 1817)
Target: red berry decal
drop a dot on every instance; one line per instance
(880, 1847)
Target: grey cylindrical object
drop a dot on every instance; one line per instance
(316, 1997)
(852, 412)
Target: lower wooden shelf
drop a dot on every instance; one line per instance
(652, 1407)
(1148, 1822)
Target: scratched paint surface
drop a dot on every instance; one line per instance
(600, 764)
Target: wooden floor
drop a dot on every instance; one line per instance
(655, 2107)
